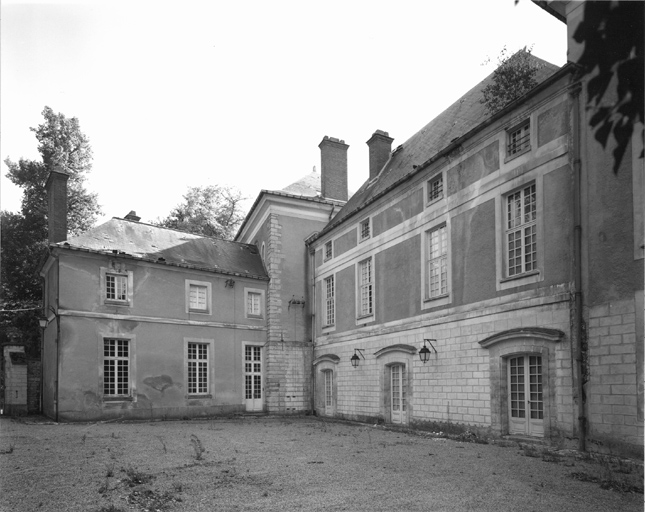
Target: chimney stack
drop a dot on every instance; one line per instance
(132, 216)
(333, 168)
(56, 188)
(380, 145)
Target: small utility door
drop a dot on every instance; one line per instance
(398, 397)
(253, 381)
(525, 400)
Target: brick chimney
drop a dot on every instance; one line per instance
(333, 168)
(56, 188)
(380, 145)
(132, 216)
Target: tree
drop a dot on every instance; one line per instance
(213, 210)
(513, 77)
(24, 234)
(612, 34)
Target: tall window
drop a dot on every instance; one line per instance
(435, 189)
(437, 262)
(116, 367)
(116, 287)
(253, 306)
(329, 301)
(365, 229)
(521, 231)
(518, 139)
(366, 288)
(197, 368)
(198, 297)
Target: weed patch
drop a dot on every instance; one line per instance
(147, 499)
(135, 477)
(197, 446)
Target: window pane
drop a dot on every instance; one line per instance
(198, 297)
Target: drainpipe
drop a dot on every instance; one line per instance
(312, 301)
(577, 258)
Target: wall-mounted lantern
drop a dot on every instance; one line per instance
(424, 352)
(355, 359)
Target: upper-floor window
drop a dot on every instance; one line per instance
(435, 189)
(437, 263)
(364, 228)
(365, 288)
(116, 285)
(521, 231)
(328, 250)
(330, 312)
(116, 367)
(198, 297)
(254, 302)
(518, 139)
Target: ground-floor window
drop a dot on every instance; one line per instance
(197, 368)
(116, 367)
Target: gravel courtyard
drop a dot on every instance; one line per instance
(291, 463)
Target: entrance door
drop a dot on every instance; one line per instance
(526, 407)
(253, 378)
(398, 390)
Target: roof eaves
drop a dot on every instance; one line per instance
(279, 193)
(567, 68)
(160, 261)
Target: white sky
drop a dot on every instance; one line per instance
(187, 93)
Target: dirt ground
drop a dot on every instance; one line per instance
(292, 463)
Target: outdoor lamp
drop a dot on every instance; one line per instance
(424, 352)
(355, 359)
(43, 321)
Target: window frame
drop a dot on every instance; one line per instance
(520, 229)
(428, 301)
(441, 194)
(328, 250)
(361, 231)
(209, 344)
(534, 276)
(329, 303)
(116, 270)
(525, 139)
(209, 297)
(362, 317)
(132, 367)
(442, 258)
(247, 293)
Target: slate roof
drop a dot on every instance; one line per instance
(458, 119)
(170, 247)
(309, 185)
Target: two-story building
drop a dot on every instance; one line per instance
(147, 322)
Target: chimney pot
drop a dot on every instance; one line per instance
(56, 188)
(380, 146)
(333, 168)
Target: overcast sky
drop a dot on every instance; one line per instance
(187, 93)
